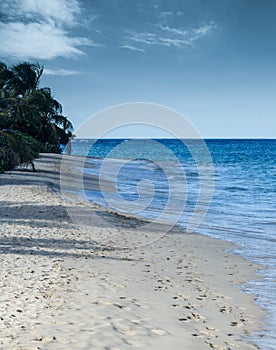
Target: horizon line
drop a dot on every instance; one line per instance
(175, 138)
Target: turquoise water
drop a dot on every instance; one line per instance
(242, 209)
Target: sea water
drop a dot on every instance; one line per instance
(242, 208)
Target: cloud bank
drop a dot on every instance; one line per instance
(33, 29)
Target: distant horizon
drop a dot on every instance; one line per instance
(175, 138)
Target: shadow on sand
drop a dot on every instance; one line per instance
(54, 248)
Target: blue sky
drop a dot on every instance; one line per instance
(214, 61)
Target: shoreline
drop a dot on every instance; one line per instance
(180, 291)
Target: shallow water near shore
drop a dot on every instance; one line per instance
(242, 209)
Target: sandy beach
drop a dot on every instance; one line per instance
(61, 289)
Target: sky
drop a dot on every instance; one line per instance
(213, 61)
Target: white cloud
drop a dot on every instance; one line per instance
(172, 30)
(165, 14)
(38, 40)
(58, 10)
(132, 48)
(59, 71)
(172, 37)
(40, 29)
(63, 11)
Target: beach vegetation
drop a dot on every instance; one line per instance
(31, 119)
(16, 148)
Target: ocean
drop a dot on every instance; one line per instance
(232, 194)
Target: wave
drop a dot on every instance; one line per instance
(235, 188)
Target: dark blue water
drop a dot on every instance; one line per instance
(243, 205)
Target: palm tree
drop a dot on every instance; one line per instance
(16, 148)
(21, 78)
(30, 110)
(49, 125)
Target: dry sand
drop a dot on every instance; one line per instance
(60, 289)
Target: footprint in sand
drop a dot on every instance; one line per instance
(225, 309)
(158, 331)
(236, 324)
(185, 319)
(180, 296)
